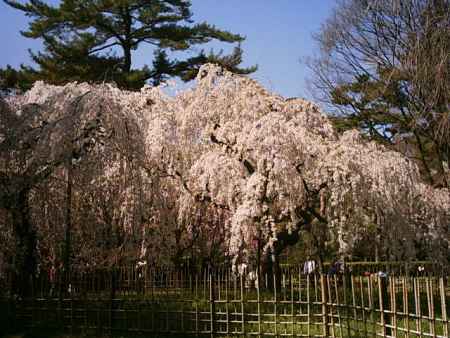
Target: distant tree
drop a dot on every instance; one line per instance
(40, 134)
(384, 68)
(81, 39)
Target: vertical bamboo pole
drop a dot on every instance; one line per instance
(138, 315)
(406, 304)
(235, 294)
(331, 311)
(235, 298)
(276, 303)
(196, 305)
(434, 288)
(258, 297)
(211, 303)
(393, 290)
(242, 305)
(111, 300)
(226, 302)
(381, 302)
(363, 305)
(338, 305)
(300, 290)
(71, 307)
(153, 277)
(205, 278)
(218, 279)
(444, 307)
(98, 312)
(323, 285)
(284, 288)
(372, 307)
(292, 303)
(352, 284)
(431, 314)
(417, 305)
(308, 301)
(183, 295)
(316, 296)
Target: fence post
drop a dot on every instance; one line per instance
(212, 307)
(393, 307)
(112, 296)
(242, 303)
(418, 313)
(331, 305)
(383, 295)
(291, 283)
(406, 304)
(308, 300)
(227, 300)
(259, 306)
(196, 305)
(275, 289)
(430, 301)
(344, 302)
(324, 287)
(443, 307)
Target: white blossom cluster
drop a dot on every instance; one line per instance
(230, 157)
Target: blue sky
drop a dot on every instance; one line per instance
(278, 36)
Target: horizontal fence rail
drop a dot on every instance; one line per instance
(220, 303)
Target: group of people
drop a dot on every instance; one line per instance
(310, 267)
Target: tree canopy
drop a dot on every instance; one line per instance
(225, 171)
(94, 40)
(384, 68)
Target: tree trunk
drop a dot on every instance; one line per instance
(273, 271)
(126, 58)
(423, 157)
(68, 228)
(127, 42)
(25, 236)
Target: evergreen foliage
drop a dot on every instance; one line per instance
(94, 40)
(385, 69)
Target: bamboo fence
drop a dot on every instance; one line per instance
(163, 302)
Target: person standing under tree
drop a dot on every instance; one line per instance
(309, 266)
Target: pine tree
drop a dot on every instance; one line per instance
(94, 40)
